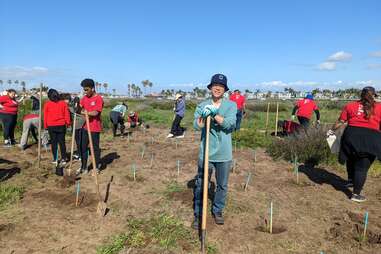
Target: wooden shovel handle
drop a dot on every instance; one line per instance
(206, 175)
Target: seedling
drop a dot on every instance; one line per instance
(143, 151)
(255, 155)
(296, 168)
(133, 168)
(271, 218)
(152, 140)
(151, 163)
(77, 194)
(247, 180)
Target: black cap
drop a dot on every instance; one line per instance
(219, 79)
(369, 89)
(88, 83)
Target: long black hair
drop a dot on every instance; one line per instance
(367, 100)
(53, 95)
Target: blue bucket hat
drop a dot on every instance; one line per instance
(219, 79)
(310, 96)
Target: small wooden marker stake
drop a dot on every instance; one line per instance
(276, 119)
(77, 194)
(247, 181)
(152, 140)
(128, 137)
(143, 151)
(296, 169)
(151, 163)
(365, 225)
(271, 218)
(134, 171)
(178, 168)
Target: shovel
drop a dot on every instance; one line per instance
(68, 178)
(102, 207)
(205, 186)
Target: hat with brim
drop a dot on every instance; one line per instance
(219, 79)
(177, 96)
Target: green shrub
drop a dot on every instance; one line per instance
(259, 106)
(310, 147)
(251, 137)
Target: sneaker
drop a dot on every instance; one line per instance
(22, 147)
(196, 223)
(180, 136)
(7, 143)
(63, 162)
(218, 219)
(349, 184)
(358, 198)
(170, 135)
(76, 157)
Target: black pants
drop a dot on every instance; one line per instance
(305, 122)
(357, 169)
(176, 129)
(78, 141)
(95, 136)
(117, 118)
(9, 125)
(57, 137)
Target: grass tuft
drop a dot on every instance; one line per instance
(9, 194)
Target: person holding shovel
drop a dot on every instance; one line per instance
(361, 140)
(223, 114)
(303, 109)
(92, 105)
(176, 130)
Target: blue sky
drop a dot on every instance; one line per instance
(179, 44)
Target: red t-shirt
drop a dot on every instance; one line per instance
(30, 116)
(10, 106)
(56, 114)
(306, 107)
(133, 119)
(353, 113)
(238, 99)
(94, 103)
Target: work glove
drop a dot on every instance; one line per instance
(330, 133)
(293, 117)
(209, 110)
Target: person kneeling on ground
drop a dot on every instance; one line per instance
(56, 120)
(361, 140)
(117, 118)
(133, 120)
(303, 109)
(223, 113)
(92, 104)
(179, 109)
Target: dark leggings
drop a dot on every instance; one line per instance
(305, 122)
(85, 145)
(357, 169)
(78, 141)
(9, 125)
(176, 128)
(57, 136)
(116, 118)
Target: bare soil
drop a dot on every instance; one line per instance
(312, 216)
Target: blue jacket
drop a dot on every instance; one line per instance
(220, 139)
(180, 107)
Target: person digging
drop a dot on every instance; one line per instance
(223, 120)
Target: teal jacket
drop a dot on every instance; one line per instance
(220, 139)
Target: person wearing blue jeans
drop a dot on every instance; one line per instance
(223, 120)
(239, 119)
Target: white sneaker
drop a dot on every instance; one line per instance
(180, 136)
(170, 135)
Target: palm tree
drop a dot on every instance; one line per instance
(150, 84)
(23, 86)
(105, 85)
(129, 90)
(133, 87)
(145, 83)
(114, 91)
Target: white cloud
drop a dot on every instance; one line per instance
(375, 54)
(327, 66)
(374, 66)
(340, 56)
(20, 72)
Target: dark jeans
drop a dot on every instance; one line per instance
(222, 170)
(9, 125)
(57, 136)
(78, 141)
(357, 169)
(239, 119)
(85, 145)
(116, 118)
(176, 129)
(305, 122)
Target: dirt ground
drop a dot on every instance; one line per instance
(312, 216)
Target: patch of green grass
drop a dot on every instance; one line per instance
(163, 233)
(173, 187)
(211, 248)
(375, 169)
(9, 194)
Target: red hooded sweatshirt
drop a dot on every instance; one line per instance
(56, 114)
(10, 106)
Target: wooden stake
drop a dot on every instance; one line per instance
(101, 204)
(296, 168)
(267, 117)
(247, 181)
(205, 186)
(152, 140)
(72, 142)
(39, 129)
(143, 151)
(276, 119)
(271, 218)
(134, 171)
(178, 168)
(151, 163)
(255, 155)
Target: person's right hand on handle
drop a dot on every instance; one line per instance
(209, 110)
